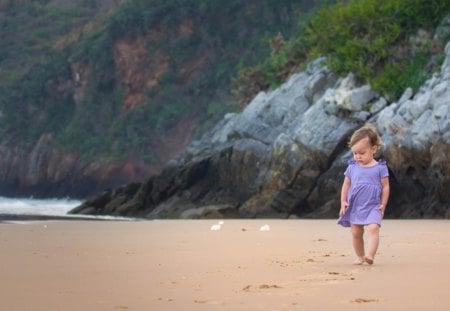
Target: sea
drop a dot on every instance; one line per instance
(34, 209)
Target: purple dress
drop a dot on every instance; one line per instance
(364, 195)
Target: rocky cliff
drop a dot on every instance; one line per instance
(285, 154)
(44, 170)
(94, 94)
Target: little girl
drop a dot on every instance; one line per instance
(365, 193)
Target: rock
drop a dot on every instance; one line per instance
(109, 201)
(378, 105)
(406, 95)
(285, 154)
(44, 170)
(418, 148)
(355, 99)
(318, 83)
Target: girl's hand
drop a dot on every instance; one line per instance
(382, 208)
(344, 206)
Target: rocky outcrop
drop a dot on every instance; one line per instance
(44, 170)
(285, 154)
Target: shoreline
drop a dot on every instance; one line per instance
(6, 218)
(33, 217)
(184, 265)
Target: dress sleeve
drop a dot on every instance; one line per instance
(348, 171)
(384, 172)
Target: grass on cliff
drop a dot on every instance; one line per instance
(260, 42)
(38, 96)
(385, 43)
(36, 36)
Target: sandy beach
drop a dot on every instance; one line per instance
(183, 265)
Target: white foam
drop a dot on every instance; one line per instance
(23, 206)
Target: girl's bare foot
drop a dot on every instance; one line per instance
(368, 260)
(359, 261)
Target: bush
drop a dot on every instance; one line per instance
(366, 37)
(285, 58)
(202, 42)
(361, 36)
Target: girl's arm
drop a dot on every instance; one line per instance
(384, 193)
(344, 192)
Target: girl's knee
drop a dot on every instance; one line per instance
(373, 229)
(357, 231)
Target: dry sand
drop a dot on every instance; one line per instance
(183, 265)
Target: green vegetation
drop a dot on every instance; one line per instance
(370, 38)
(207, 46)
(29, 29)
(37, 92)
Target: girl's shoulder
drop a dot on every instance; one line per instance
(351, 162)
(382, 162)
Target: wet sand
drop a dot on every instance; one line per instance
(183, 265)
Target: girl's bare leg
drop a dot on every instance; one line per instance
(373, 231)
(358, 243)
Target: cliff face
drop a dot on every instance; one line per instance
(120, 95)
(286, 152)
(44, 170)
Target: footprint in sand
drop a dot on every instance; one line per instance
(249, 288)
(364, 300)
(265, 286)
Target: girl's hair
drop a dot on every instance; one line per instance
(369, 131)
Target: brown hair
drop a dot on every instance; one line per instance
(369, 131)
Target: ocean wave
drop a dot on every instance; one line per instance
(30, 206)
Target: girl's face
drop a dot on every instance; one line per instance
(363, 152)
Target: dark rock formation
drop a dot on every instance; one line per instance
(285, 155)
(44, 170)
